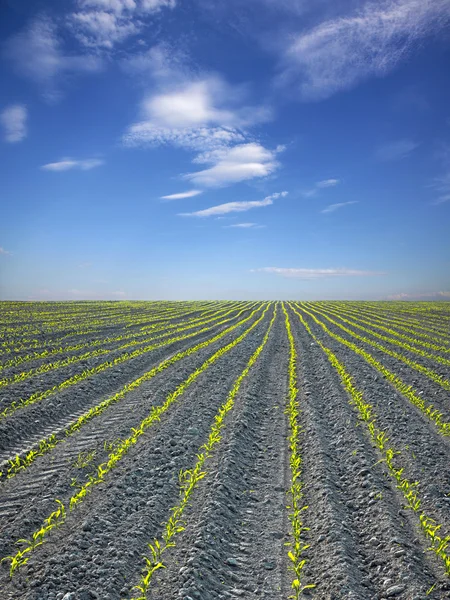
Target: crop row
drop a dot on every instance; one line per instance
(159, 323)
(424, 406)
(411, 326)
(97, 327)
(51, 366)
(418, 367)
(45, 445)
(75, 379)
(297, 506)
(410, 340)
(58, 517)
(189, 478)
(432, 530)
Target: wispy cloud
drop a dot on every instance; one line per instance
(181, 195)
(67, 164)
(104, 23)
(320, 185)
(230, 207)
(420, 296)
(317, 273)
(441, 200)
(326, 183)
(13, 119)
(246, 225)
(37, 54)
(371, 41)
(337, 206)
(5, 252)
(441, 184)
(396, 150)
(230, 165)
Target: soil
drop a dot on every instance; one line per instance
(363, 543)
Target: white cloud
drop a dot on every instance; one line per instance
(229, 207)
(5, 252)
(181, 195)
(104, 23)
(199, 114)
(101, 28)
(231, 165)
(36, 53)
(146, 133)
(426, 295)
(442, 184)
(246, 225)
(202, 114)
(121, 6)
(395, 150)
(319, 185)
(13, 119)
(68, 163)
(339, 53)
(442, 199)
(326, 183)
(333, 207)
(317, 273)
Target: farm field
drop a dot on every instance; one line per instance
(221, 450)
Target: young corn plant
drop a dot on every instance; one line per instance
(155, 414)
(416, 366)
(47, 444)
(188, 481)
(430, 528)
(295, 461)
(75, 379)
(406, 390)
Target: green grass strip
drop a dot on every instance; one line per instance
(439, 543)
(189, 479)
(121, 449)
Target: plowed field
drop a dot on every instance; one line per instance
(220, 450)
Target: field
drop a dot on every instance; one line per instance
(220, 450)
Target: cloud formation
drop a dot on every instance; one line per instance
(5, 252)
(320, 185)
(420, 296)
(199, 114)
(229, 207)
(317, 273)
(66, 164)
(337, 206)
(395, 150)
(36, 54)
(104, 23)
(13, 119)
(246, 225)
(339, 53)
(231, 165)
(180, 195)
(326, 183)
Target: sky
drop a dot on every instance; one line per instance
(197, 149)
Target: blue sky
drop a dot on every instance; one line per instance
(160, 149)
